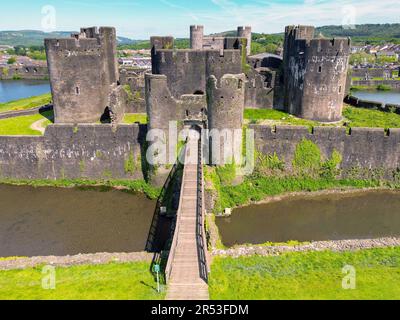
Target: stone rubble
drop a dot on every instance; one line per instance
(339, 245)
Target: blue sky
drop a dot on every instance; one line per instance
(138, 19)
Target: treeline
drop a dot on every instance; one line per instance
(34, 52)
(364, 34)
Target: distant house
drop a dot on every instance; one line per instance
(4, 47)
(140, 62)
(389, 54)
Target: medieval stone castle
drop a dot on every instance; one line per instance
(212, 82)
(208, 85)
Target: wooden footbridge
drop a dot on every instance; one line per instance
(187, 268)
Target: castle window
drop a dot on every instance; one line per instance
(320, 69)
(240, 84)
(77, 91)
(187, 113)
(340, 89)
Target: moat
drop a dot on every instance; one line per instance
(335, 216)
(378, 96)
(19, 89)
(58, 221)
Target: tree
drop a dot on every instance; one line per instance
(12, 60)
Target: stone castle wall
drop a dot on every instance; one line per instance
(26, 73)
(187, 71)
(369, 148)
(68, 151)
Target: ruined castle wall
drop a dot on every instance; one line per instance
(368, 148)
(161, 106)
(293, 64)
(26, 72)
(258, 93)
(81, 72)
(85, 151)
(187, 70)
(134, 78)
(294, 78)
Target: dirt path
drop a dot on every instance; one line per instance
(38, 125)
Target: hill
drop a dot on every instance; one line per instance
(28, 38)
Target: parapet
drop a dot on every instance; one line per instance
(88, 39)
(300, 32)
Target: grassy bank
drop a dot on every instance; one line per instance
(21, 125)
(312, 275)
(255, 189)
(130, 118)
(129, 281)
(130, 185)
(27, 103)
(354, 117)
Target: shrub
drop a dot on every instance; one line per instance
(11, 60)
(330, 168)
(267, 162)
(226, 173)
(307, 158)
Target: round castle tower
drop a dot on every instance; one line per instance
(225, 114)
(326, 64)
(196, 37)
(245, 32)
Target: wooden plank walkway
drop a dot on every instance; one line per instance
(185, 281)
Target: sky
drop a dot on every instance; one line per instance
(139, 19)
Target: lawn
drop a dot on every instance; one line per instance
(270, 116)
(360, 117)
(128, 281)
(354, 117)
(312, 275)
(27, 103)
(130, 118)
(21, 125)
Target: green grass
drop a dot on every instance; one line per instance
(276, 117)
(128, 281)
(131, 185)
(130, 118)
(21, 125)
(360, 117)
(312, 275)
(255, 189)
(27, 103)
(355, 117)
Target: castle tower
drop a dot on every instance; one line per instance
(225, 114)
(325, 77)
(292, 34)
(82, 70)
(196, 37)
(245, 32)
(315, 73)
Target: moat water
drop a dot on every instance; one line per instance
(361, 215)
(378, 96)
(58, 221)
(18, 89)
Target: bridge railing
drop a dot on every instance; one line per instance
(171, 255)
(204, 260)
